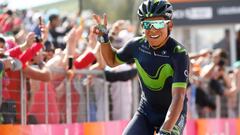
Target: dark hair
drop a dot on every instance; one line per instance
(48, 47)
(9, 12)
(2, 40)
(223, 54)
(52, 17)
(223, 58)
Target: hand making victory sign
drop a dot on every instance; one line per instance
(100, 29)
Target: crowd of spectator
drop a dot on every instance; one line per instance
(49, 48)
(213, 78)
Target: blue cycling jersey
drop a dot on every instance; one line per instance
(159, 71)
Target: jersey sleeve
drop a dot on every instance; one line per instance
(181, 69)
(125, 54)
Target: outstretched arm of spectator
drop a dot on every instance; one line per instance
(30, 39)
(18, 50)
(94, 47)
(84, 60)
(72, 40)
(30, 52)
(203, 53)
(91, 54)
(207, 70)
(37, 74)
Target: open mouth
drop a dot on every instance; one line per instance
(154, 36)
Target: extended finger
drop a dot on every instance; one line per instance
(96, 18)
(105, 19)
(99, 19)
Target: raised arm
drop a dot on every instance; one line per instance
(101, 31)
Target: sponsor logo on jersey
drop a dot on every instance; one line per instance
(162, 54)
(144, 49)
(186, 73)
(157, 81)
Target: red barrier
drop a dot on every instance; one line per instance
(217, 127)
(190, 128)
(14, 130)
(238, 126)
(38, 106)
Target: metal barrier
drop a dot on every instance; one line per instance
(23, 99)
(46, 102)
(225, 108)
(63, 100)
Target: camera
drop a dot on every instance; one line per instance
(2, 56)
(221, 63)
(38, 39)
(14, 65)
(223, 59)
(70, 62)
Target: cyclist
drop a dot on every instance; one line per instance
(163, 66)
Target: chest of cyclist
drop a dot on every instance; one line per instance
(152, 60)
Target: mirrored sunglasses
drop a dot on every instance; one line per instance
(157, 24)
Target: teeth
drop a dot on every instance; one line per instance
(155, 36)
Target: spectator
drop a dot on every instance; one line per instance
(217, 70)
(6, 22)
(200, 102)
(56, 36)
(14, 84)
(2, 42)
(224, 44)
(219, 81)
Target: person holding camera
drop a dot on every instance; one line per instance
(219, 81)
(215, 72)
(25, 53)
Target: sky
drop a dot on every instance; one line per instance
(24, 4)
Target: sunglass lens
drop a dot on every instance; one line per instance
(147, 25)
(158, 25)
